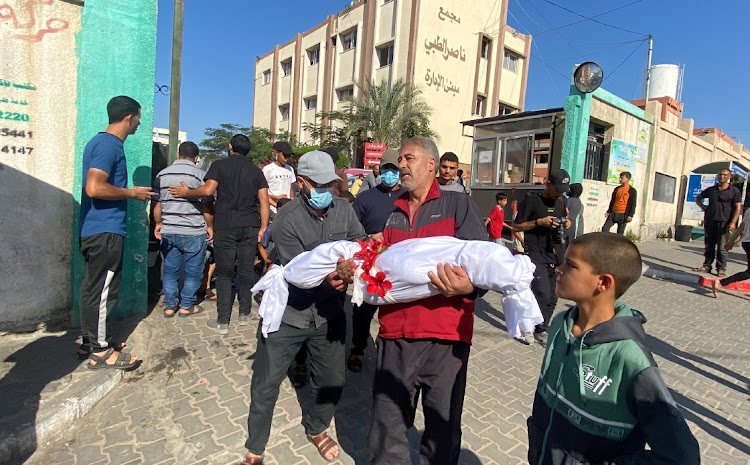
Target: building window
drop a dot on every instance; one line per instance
(311, 103)
(349, 41)
(510, 61)
(593, 167)
(345, 93)
(266, 77)
(516, 157)
(505, 110)
(286, 67)
(385, 55)
(284, 110)
(664, 188)
(486, 47)
(313, 55)
(479, 107)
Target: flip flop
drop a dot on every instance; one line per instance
(324, 443)
(195, 312)
(702, 269)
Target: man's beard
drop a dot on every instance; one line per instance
(408, 184)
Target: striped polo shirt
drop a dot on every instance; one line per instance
(180, 216)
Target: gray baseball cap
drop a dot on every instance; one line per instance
(390, 157)
(317, 166)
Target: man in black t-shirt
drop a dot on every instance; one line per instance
(242, 210)
(538, 218)
(721, 216)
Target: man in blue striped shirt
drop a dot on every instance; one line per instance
(183, 226)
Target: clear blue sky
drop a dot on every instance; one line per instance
(223, 37)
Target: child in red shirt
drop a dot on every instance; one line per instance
(496, 221)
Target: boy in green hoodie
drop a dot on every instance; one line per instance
(600, 398)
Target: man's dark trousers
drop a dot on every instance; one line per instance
(327, 348)
(361, 318)
(405, 368)
(100, 285)
(715, 239)
(230, 245)
(543, 287)
(615, 218)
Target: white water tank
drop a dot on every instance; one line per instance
(665, 80)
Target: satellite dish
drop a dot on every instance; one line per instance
(588, 77)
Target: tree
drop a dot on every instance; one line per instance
(385, 113)
(216, 144)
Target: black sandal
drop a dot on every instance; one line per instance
(300, 376)
(355, 363)
(84, 350)
(122, 363)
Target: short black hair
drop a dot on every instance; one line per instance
(575, 190)
(347, 195)
(281, 202)
(449, 156)
(333, 152)
(188, 150)
(501, 196)
(240, 144)
(626, 174)
(121, 106)
(610, 253)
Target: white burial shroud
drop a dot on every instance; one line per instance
(406, 264)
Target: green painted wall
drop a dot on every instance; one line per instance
(116, 50)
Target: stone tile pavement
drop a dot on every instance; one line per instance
(188, 402)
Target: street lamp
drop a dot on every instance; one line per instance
(588, 77)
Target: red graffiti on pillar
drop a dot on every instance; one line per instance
(30, 31)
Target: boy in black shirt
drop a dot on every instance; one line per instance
(543, 220)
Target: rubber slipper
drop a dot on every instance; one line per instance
(197, 309)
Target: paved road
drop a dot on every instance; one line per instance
(188, 403)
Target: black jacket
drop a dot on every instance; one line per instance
(630, 209)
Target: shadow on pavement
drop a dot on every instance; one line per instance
(490, 314)
(696, 413)
(42, 367)
(692, 362)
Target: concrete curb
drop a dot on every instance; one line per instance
(670, 275)
(65, 407)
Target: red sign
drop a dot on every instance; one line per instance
(372, 158)
(374, 146)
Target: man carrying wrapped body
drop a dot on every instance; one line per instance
(426, 289)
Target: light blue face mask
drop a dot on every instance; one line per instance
(320, 197)
(389, 178)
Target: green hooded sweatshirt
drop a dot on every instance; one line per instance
(600, 399)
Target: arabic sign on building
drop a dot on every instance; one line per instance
(644, 134)
(697, 183)
(622, 157)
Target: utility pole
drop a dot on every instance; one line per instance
(648, 67)
(174, 94)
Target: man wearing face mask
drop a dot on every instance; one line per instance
(313, 317)
(373, 208)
